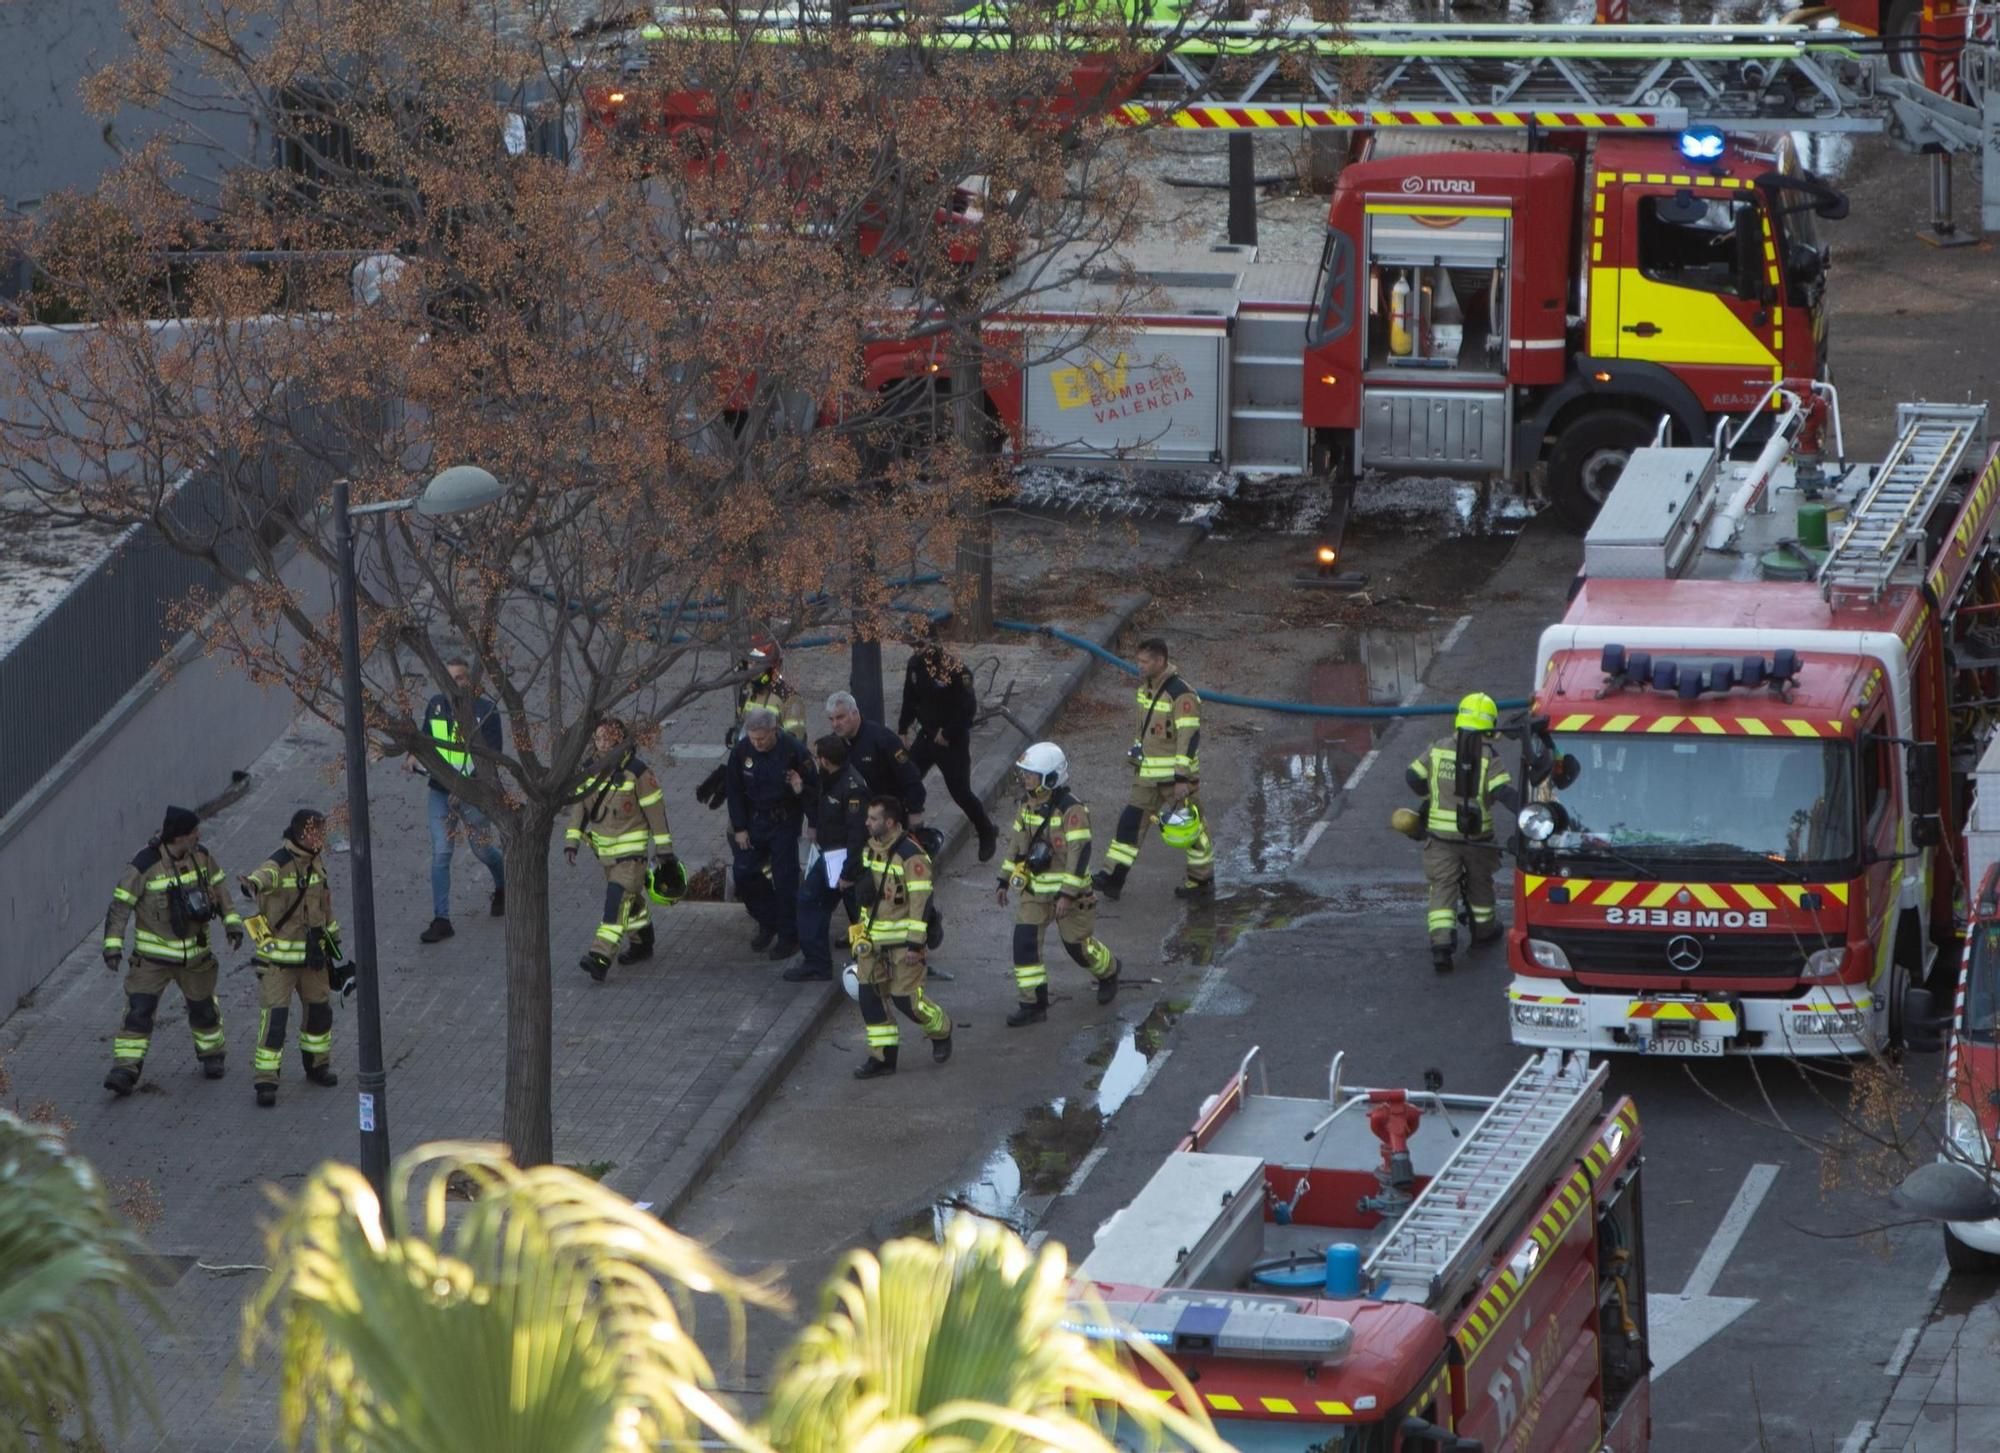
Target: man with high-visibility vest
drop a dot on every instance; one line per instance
(298, 952)
(621, 811)
(168, 896)
(889, 952)
(1048, 863)
(1461, 781)
(448, 813)
(1166, 779)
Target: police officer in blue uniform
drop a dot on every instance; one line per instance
(771, 780)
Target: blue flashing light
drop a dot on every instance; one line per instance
(1098, 1332)
(1702, 144)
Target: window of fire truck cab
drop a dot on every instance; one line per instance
(1714, 244)
(1658, 802)
(1982, 987)
(1287, 1435)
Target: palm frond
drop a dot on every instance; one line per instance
(547, 1315)
(964, 1346)
(66, 1259)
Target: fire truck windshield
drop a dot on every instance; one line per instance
(1754, 804)
(1982, 987)
(1248, 1435)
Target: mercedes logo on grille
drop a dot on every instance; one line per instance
(1684, 953)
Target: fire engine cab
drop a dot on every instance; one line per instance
(1750, 732)
(1391, 1269)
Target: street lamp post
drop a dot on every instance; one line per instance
(453, 491)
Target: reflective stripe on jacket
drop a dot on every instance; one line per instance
(293, 898)
(623, 812)
(1436, 774)
(144, 900)
(897, 893)
(1060, 821)
(1169, 739)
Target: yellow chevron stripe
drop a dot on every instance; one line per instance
(1750, 893)
(1573, 723)
(1835, 891)
(1708, 726)
(1706, 896)
(1222, 1402)
(1334, 1410)
(1801, 728)
(1620, 723)
(1277, 1405)
(1614, 893)
(1665, 724)
(1661, 893)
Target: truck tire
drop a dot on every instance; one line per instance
(1968, 1260)
(1901, 20)
(1587, 459)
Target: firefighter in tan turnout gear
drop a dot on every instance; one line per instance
(623, 814)
(1461, 780)
(1166, 779)
(889, 953)
(1048, 862)
(298, 953)
(167, 897)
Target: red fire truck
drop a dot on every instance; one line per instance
(1391, 1269)
(1770, 681)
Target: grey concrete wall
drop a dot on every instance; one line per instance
(47, 47)
(174, 738)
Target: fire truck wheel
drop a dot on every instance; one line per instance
(1968, 1260)
(1588, 458)
(1900, 21)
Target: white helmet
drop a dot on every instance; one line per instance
(1047, 761)
(850, 980)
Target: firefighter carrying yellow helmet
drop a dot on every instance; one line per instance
(1460, 779)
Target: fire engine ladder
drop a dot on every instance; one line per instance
(1885, 529)
(1240, 75)
(1439, 1249)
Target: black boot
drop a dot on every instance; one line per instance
(123, 1079)
(1205, 888)
(1107, 987)
(211, 1066)
(595, 965)
(784, 948)
(1033, 1012)
(438, 932)
(499, 908)
(874, 1069)
(1487, 932)
(1109, 882)
(267, 1096)
(766, 935)
(641, 947)
(322, 1074)
(1441, 958)
(989, 842)
(941, 1049)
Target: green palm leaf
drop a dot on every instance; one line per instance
(964, 1347)
(548, 1315)
(65, 1260)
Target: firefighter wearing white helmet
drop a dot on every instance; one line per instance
(1461, 780)
(1048, 861)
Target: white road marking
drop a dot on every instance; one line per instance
(1858, 1439)
(1681, 1324)
(1306, 845)
(1450, 638)
(1360, 769)
(1083, 1170)
(1735, 1221)
(1900, 1358)
(1939, 1278)
(1152, 1069)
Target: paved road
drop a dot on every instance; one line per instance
(1803, 1364)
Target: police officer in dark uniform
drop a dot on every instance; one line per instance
(771, 780)
(879, 756)
(842, 829)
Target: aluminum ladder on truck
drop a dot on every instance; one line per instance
(1439, 1249)
(1886, 526)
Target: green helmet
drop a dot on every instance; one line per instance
(1477, 713)
(667, 883)
(1180, 825)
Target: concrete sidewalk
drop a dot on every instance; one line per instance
(1947, 1394)
(656, 1071)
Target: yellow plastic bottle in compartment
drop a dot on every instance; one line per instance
(1400, 341)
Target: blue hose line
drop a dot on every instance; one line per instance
(1252, 703)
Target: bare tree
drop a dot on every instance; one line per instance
(697, 298)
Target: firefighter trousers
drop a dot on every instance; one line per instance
(1444, 861)
(1150, 797)
(895, 973)
(145, 981)
(276, 984)
(625, 907)
(1032, 916)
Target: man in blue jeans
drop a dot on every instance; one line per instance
(447, 813)
(842, 826)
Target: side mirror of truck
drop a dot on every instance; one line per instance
(1923, 1029)
(1567, 770)
(1422, 1431)
(1923, 777)
(1682, 209)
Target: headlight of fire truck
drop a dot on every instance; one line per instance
(1826, 962)
(1968, 1142)
(1547, 955)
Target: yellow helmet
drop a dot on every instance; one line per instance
(1405, 821)
(1477, 713)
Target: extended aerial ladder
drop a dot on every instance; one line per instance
(1440, 1247)
(1739, 79)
